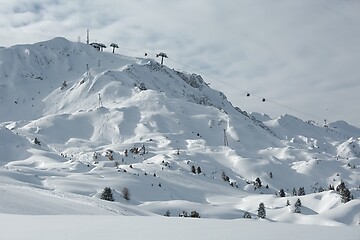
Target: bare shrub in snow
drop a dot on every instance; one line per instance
(126, 193)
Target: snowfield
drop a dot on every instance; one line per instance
(136, 228)
(74, 120)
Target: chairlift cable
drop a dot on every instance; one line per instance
(249, 94)
(245, 93)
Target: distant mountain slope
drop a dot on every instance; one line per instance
(107, 120)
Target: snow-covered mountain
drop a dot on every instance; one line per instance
(74, 120)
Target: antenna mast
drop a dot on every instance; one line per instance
(100, 102)
(226, 143)
(87, 37)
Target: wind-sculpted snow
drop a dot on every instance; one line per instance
(75, 120)
(349, 149)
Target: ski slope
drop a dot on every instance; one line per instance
(173, 120)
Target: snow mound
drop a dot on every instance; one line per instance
(349, 149)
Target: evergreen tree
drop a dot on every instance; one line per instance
(36, 141)
(107, 194)
(345, 195)
(281, 193)
(198, 170)
(301, 191)
(297, 206)
(64, 85)
(224, 176)
(257, 183)
(194, 214)
(193, 170)
(167, 213)
(261, 211)
(294, 193)
(341, 186)
(247, 215)
(183, 214)
(344, 192)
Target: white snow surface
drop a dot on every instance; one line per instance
(112, 103)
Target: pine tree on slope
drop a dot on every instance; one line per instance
(107, 194)
(261, 211)
(281, 193)
(301, 191)
(247, 215)
(344, 192)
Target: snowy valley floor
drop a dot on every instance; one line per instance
(128, 227)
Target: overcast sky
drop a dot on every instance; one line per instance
(302, 56)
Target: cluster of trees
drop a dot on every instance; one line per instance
(108, 195)
(193, 214)
(257, 183)
(299, 192)
(63, 85)
(261, 212)
(226, 178)
(136, 150)
(195, 170)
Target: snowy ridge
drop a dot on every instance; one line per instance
(173, 121)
